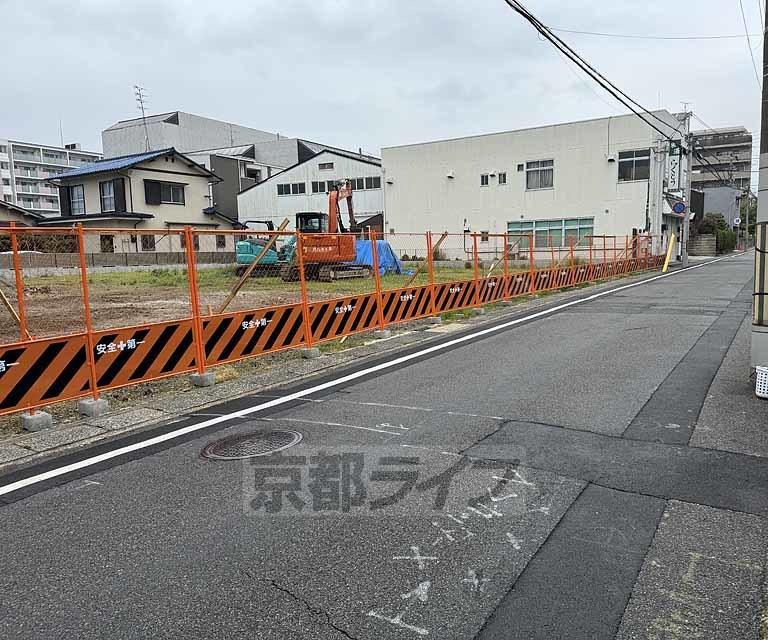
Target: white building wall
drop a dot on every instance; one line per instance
(261, 202)
(420, 196)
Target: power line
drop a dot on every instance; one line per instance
(606, 84)
(749, 43)
(641, 37)
(760, 9)
(600, 79)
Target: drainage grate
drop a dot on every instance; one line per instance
(251, 445)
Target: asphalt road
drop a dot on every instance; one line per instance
(537, 483)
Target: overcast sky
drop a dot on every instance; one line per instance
(363, 73)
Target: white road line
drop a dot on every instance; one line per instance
(330, 424)
(330, 384)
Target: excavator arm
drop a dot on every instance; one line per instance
(340, 192)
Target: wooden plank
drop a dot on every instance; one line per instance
(424, 262)
(252, 266)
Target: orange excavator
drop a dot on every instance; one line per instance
(330, 249)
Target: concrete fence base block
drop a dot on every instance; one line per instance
(435, 320)
(478, 311)
(310, 353)
(207, 379)
(37, 422)
(382, 334)
(93, 408)
(507, 303)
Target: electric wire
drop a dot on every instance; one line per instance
(749, 43)
(641, 37)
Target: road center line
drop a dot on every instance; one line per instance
(330, 384)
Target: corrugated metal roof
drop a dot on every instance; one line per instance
(113, 164)
(225, 151)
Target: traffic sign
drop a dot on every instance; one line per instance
(737, 221)
(679, 207)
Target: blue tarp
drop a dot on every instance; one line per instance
(388, 261)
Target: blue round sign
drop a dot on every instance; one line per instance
(679, 207)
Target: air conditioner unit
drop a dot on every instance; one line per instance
(492, 172)
(449, 175)
(610, 157)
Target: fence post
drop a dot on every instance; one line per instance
(477, 270)
(376, 278)
(532, 265)
(605, 258)
(573, 262)
(19, 284)
(613, 271)
(626, 255)
(303, 284)
(91, 348)
(431, 271)
(194, 297)
(507, 280)
(590, 274)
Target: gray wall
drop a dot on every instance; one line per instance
(192, 133)
(722, 200)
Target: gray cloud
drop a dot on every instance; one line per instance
(359, 73)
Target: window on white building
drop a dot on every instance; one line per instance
(283, 189)
(297, 188)
(77, 199)
(540, 174)
(318, 186)
(107, 191)
(171, 193)
(325, 166)
(634, 165)
(373, 182)
(483, 179)
(503, 177)
(556, 233)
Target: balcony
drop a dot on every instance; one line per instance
(26, 156)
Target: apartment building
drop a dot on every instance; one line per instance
(25, 169)
(722, 154)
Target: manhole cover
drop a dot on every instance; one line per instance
(251, 445)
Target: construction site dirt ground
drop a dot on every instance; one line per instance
(53, 305)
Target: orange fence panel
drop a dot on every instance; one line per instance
(135, 354)
(244, 334)
(450, 296)
(40, 372)
(333, 319)
(401, 305)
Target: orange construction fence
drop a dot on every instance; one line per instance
(89, 310)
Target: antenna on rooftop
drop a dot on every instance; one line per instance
(141, 103)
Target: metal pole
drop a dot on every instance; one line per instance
(90, 357)
(507, 282)
(431, 272)
(376, 278)
(303, 284)
(686, 226)
(19, 284)
(573, 262)
(477, 270)
(589, 273)
(533, 264)
(194, 299)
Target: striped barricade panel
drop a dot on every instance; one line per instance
(582, 273)
(519, 284)
(136, 354)
(562, 277)
(454, 295)
(43, 372)
(492, 289)
(235, 336)
(343, 316)
(400, 305)
(598, 271)
(633, 264)
(544, 280)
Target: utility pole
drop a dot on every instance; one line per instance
(760, 324)
(686, 226)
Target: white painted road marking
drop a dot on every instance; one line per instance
(330, 384)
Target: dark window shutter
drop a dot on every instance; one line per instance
(66, 209)
(120, 194)
(151, 192)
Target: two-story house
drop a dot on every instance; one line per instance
(154, 190)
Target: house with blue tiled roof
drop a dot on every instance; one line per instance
(161, 189)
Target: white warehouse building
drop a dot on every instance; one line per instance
(608, 176)
(305, 185)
